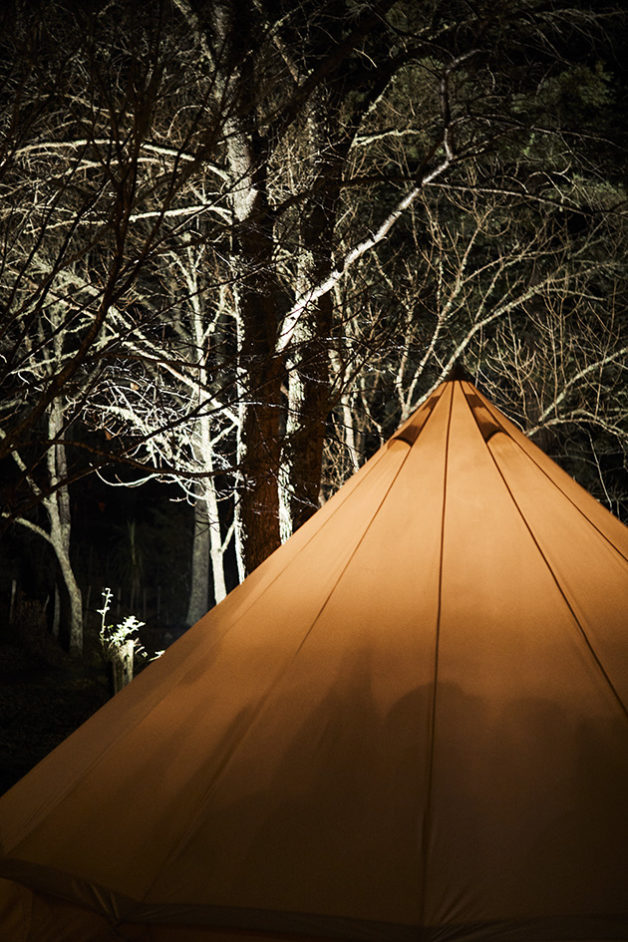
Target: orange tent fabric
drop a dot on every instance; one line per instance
(409, 723)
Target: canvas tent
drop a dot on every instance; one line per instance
(408, 724)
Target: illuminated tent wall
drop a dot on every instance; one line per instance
(408, 724)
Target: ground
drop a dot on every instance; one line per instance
(44, 696)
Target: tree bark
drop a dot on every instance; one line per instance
(122, 666)
(207, 547)
(198, 601)
(58, 508)
(308, 357)
(257, 508)
(256, 297)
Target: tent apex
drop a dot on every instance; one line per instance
(458, 372)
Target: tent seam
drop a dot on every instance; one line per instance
(572, 502)
(383, 452)
(281, 673)
(560, 588)
(492, 409)
(96, 761)
(154, 704)
(427, 830)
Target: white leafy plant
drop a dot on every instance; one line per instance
(113, 638)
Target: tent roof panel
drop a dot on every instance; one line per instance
(395, 722)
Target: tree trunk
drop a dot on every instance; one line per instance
(73, 601)
(308, 359)
(208, 552)
(256, 294)
(207, 541)
(198, 602)
(216, 544)
(122, 666)
(308, 405)
(58, 509)
(257, 499)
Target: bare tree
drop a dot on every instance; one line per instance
(174, 394)
(268, 229)
(87, 198)
(302, 159)
(528, 300)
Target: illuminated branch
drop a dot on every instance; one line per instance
(313, 294)
(575, 380)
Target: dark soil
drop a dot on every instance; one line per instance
(44, 696)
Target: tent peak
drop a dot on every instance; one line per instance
(458, 372)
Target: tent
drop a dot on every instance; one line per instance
(409, 723)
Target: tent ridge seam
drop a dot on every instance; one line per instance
(562, 591)
(573, 503)
(427, 831)
(489, 406)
